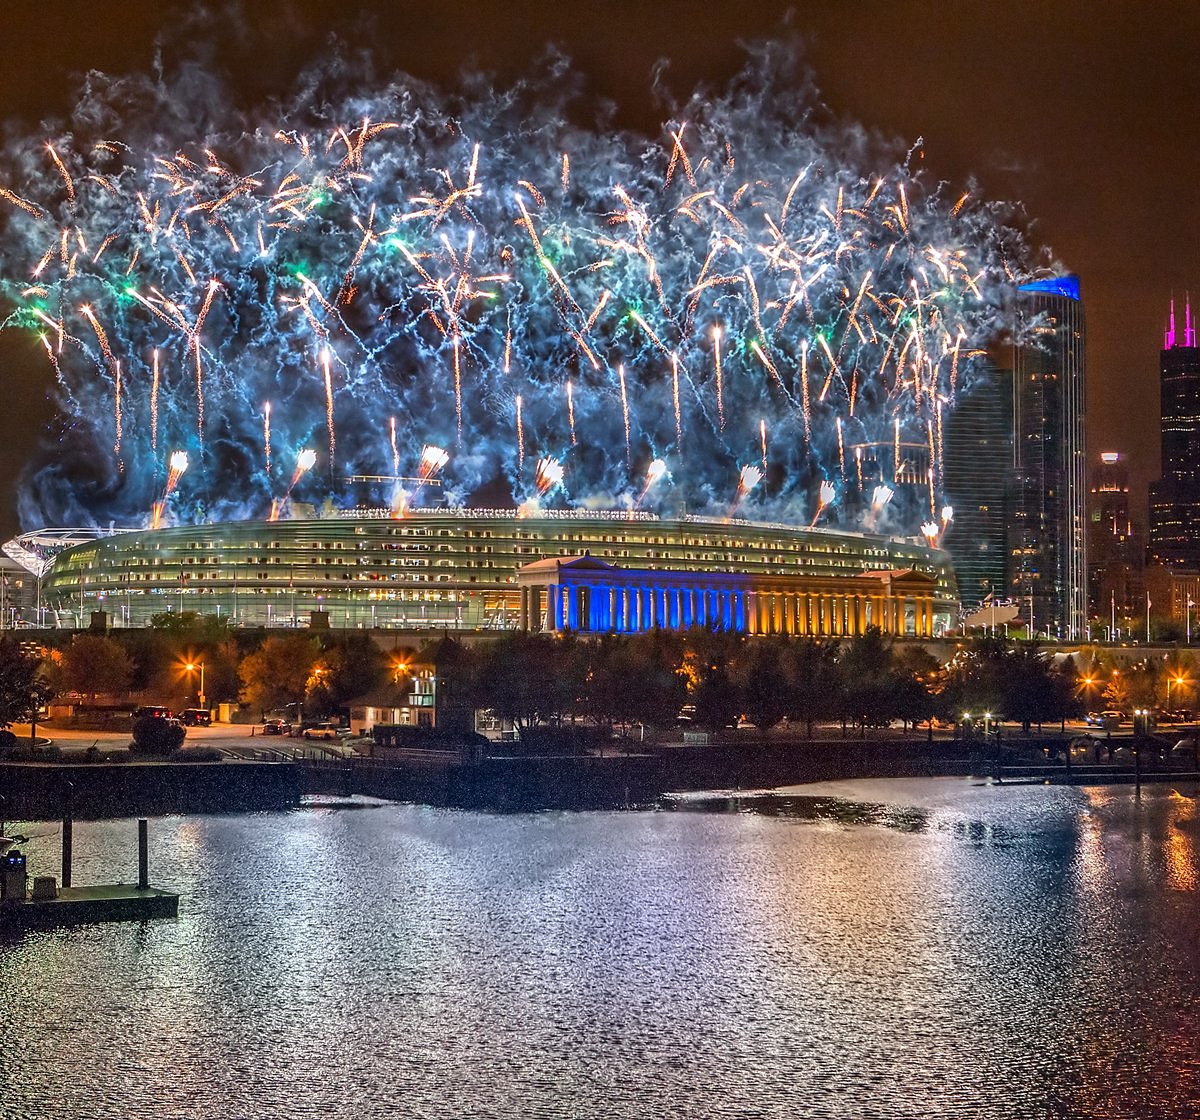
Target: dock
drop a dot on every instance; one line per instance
(84, 905)
(51, 904)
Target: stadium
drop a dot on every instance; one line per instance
(477, 570)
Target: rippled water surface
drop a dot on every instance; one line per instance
(875, 949)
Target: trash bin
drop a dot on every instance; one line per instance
(12, 876)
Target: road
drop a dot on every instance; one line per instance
(232, 738)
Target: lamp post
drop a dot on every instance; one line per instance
(1172, 681)
(192, 666)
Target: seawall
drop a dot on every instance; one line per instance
(617, 781)
(44, 791)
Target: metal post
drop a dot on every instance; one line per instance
(143, 854)
(67, 846)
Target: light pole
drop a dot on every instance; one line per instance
(192, 666)
(1172, 681)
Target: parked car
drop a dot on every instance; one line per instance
(159, 711)
(321, 731)
(1182, 715)
(277, 727)
(196, 717)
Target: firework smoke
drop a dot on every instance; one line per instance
(881, 495)
(443, 257)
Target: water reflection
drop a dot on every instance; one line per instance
(888, 949)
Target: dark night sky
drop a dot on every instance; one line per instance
(1084, 112)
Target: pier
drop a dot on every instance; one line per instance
(51, 904)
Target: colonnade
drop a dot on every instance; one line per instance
(628, 608)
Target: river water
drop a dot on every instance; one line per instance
(884, 949)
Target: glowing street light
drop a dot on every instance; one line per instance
(191, 667)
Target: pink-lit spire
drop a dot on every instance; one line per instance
(1189, 329)
(1169, 337)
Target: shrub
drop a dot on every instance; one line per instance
(197, 754)
(156, 735)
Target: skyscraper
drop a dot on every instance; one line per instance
(1116, 545)
(1047, 541)
(1175, 497)
(977, 457)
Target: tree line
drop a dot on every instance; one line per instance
(711, 679)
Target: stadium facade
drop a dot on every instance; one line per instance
(461, 570)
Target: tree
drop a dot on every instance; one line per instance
(813, 681)
(515, 677)
(92, 664)
(277, 674)
(191, 625)
(708, 670)
(868, 669)
(352, 666)
(637, 679)
(23, 685)
(762, 678)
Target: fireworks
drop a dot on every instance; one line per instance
(549, 475)
(176, 466)
(471, 266)
(748, 478)
(305, 462)
(825, 498)
(654, 472)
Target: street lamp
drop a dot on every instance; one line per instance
(191, 667)
(1172, 681)
(987, 719)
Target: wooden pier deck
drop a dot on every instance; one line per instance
(117, 902)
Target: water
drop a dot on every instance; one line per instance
(892, 949)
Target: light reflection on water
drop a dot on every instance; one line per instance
(889, 949)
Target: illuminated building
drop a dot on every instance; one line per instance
(978, 457)
(1047, 540)
(447, 569)
(1175, 497)
(1116, 549)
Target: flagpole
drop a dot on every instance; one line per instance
(1147, 618)
(1112, 626)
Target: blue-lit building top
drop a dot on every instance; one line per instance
(1065, 286)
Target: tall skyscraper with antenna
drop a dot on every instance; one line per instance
(1175, 497)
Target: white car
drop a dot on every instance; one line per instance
(321, 731)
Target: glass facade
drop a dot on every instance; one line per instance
(1047, 530)
(978, 467)
(437, 569)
